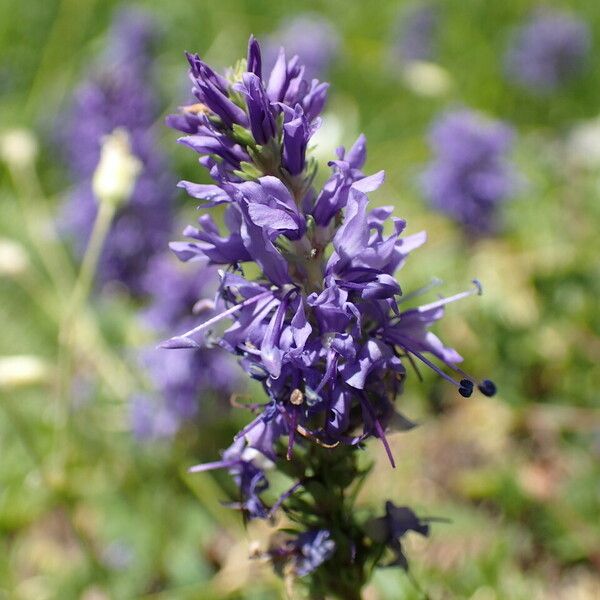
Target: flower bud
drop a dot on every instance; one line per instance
(18, 147)
(19, 371)
(13, 258)
(427, 79)
(117, 170)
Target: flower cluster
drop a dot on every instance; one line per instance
(119, 95)
(470, 174)
(178, 297)
(321, 324)
(547, 50)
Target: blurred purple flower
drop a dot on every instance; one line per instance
(313, 548)
(247, 467)
(470, 174)
(311, 37)
(547, 50)
(119, 93)
(415, 33)
(182, 379)
(304, 552)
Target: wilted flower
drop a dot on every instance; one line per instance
(320, 326)
(389, 530)
(547, 50)
(119, 94)
(309, 36)
(470, 175)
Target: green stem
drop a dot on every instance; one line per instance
(71, 318)
(331, 503)
(89, 265)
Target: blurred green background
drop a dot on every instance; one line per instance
(88, 512)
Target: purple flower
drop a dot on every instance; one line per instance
(119, 93)
(547, 50)
(181, 379)
(305, 552)
(260, 115)
(309, 36)
(234, 124)
(247, 467)
(320, 324)
(150, 419)
(470, 174)
(415, 33)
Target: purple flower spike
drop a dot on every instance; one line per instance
(470, 175)
(181, 379)
(119, 94)
(547, 50)
(308, 292)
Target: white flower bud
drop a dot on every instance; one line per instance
(117, 170)
(18, 147)
(13, 258)
(427, 79)
(19, 371)
(584, 144)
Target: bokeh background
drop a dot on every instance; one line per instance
(90, 510)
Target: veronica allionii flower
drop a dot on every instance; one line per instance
(547, 50)
(320, 324)
(118, 95)
(470, 175)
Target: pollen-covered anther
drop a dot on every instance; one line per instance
(296, 397)
(196, 109)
